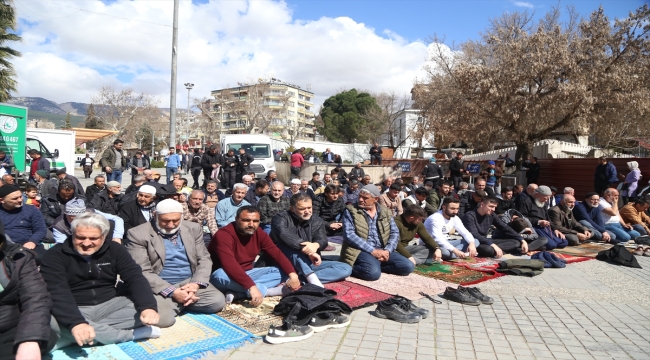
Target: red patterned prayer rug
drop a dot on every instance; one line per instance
(486, 265)
(355, 295)
(457, 274)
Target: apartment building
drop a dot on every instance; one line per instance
(270, 107)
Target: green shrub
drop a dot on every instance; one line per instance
(157, 164)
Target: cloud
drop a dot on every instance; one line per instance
(70, 55)
(523, 4)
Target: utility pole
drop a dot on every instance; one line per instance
(172, 100)
(189, 87)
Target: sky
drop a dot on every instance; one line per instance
(71, 48)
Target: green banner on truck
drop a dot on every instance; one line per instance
(13, 128)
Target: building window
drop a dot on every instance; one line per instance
(292, 104)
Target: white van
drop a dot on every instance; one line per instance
(257, 145)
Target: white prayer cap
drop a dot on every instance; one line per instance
(147, 189)
(169, 206)
(296, 181)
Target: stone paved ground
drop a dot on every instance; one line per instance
(589, 310)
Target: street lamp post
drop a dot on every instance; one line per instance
(189, 87)
(153, 143)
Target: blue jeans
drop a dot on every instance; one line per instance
(327, 271)
(640, 229)
(596, 235)
(461, 245)
(366, 267)
(115, 175)
(264, 278)
(622, 234)
(170, 174)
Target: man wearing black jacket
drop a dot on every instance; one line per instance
(230, 165)
(108, 201)
(138, 212)
(25, 305)
(81, 274)
(478, 223)
(245, 160)
(195, 167)
(210, 160)
(54, 205)
(301, 237)
(329, 207)
(432, 172)
(357, 173)
(98, 186)
(457, 169)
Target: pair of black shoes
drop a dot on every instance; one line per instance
(467, 296)
(400, 309)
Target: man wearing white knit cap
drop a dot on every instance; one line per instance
(140, 210)
(176, 263)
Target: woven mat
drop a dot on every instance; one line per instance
(407, 286)
(486, 265)
(192, 336)
(254, 319)
(589, 250)
(454, 274)
(356, 295)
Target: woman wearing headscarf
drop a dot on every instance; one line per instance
(629, 187)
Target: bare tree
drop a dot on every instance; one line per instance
(523, 80)
(383, 122)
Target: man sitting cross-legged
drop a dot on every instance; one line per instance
(445, 222)
(370, 238)
(81, 274)
(479, 221)
(174, 260)
(561, 217)
(410, 224)
(233, 250)
(588, 214)
(301, 237)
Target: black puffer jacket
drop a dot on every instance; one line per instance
(328, 211)
(105, 204)
(287, 230)
(91, 282)
(25, 303)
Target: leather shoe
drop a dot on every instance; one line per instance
(461, 295)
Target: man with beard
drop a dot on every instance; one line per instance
(108, 201)
(562, 219)
(534, 208)
(253, 196)
(471, 201)
(176, 263)
(365, 180)
(445, 222)
(588, 214)
(272, 204)
(409, 225)
(436, 196)
(234, 250)
(54, 205)
(212, 194)
(370, 239)
(481, 184)
(24, 223)
(479, 221)
(98, 186)
(506, 201)
(305, 188)
(227, 208)
(140, 210)
(196, 211)
(301, 237)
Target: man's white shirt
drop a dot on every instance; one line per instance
(439, 227)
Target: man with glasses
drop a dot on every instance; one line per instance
(587, 213)
(533, 207)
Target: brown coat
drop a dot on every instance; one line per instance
(631, 216)
(395, 206)
(563, 220)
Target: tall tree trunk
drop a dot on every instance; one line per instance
(524, 149)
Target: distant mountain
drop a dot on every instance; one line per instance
(38, 104)
(74, 108)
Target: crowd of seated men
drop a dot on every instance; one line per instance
(177, 248)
